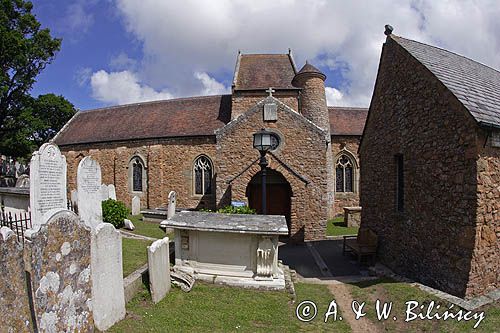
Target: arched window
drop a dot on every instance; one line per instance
(202, 171)
(137, 174)
(344, 174)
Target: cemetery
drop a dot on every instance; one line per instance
(257, 206)
(74, 266)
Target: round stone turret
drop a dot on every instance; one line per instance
(312, 102)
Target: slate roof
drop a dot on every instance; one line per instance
(347, 120)
(475, 85)
(261, 71)
(309, 69)
(194, 116)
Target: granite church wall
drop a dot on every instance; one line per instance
(168, 162)
(485, 270)
(301, 159)
(242, 101)
(348, 145)
(412, 114)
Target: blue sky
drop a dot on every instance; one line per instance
(124, 51)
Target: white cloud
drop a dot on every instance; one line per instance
(78, 18)
(210, 85)
(333, 96)
(122, 88)
(122, 61)
(184, 37)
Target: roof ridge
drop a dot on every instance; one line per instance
(347, 107)
(265, 54)
(152, 102)
(445, 50)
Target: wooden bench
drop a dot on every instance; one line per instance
(364, 244)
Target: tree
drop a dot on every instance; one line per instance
(40, 119)
(25, 50)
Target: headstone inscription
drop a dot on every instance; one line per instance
(88, 182)
(47, 181)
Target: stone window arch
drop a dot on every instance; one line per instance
(346, 173)
(203, 172)
(137, 174)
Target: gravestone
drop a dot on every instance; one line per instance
(112, 191)
(108, 296)
(136, 205)
(47, 181)
(74, 200)
(23, 181)
(104, 192)
(58, 261)
(88, 182)
(159, 269)
(172, 202)
(13, 294)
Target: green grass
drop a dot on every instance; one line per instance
(399, 293)
(134, 254)
(213, 308)
(148, 229)
(337, 227)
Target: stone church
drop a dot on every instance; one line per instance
(430, 180)
(202, 147)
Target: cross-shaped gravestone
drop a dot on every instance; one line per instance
(270, 91)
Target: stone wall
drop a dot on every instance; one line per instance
(301, 159)
(485, 270)
(169, 165)
(349, 145)
(432, 240)
(244, 100)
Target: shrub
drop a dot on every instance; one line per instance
(236, 210)
(114, 212)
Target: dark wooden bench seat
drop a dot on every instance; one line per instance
(363, 245)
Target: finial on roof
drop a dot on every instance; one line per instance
(307, 61)
(289, 51)
(388, 30)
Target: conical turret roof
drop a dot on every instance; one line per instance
(309, 70)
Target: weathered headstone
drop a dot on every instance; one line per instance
(23, 181)
(104, 192)
(136, 205)
(159, 269)
(88, 182)
(127, 224)
(58, 257)
(108, 296)
(13, 294)
(112, 191)
(74, 200)
(47, 181)
(172, 202)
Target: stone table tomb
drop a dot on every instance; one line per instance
(232, 249)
